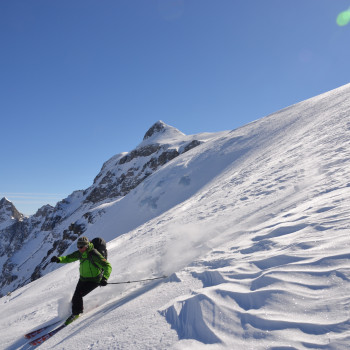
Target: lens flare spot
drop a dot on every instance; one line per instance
(343, 18)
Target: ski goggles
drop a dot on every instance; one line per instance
(80, 246)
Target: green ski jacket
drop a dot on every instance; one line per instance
(93, 266)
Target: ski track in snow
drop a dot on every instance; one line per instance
(258, 255)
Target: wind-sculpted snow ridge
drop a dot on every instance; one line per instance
(287, 285)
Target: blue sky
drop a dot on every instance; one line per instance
(83, 80)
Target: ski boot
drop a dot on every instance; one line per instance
(70, 319)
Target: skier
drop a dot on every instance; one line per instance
(94, 271)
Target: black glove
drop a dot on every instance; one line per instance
(55, 259)
(103, 282)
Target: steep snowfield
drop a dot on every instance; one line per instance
(252, 227)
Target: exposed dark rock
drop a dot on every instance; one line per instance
(77, 229)
(8, 211)
(13, 237)
(50, 222)
(140, 152)
(155, 128)
(114, 183)
(191, 145)
(44, 211)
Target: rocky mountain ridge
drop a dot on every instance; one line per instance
(8, 213)
(27, 243)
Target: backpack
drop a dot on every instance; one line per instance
(100, 245)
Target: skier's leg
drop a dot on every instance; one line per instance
(83, 288)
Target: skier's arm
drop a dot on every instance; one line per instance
(69, 258)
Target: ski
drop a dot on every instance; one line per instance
(46, 336)
(32, 334)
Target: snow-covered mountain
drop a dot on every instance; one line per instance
(27, 243)
(251, 226)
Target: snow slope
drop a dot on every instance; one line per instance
(252, 227)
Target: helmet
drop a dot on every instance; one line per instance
(82, 242)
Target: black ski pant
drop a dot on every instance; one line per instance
(83, 288)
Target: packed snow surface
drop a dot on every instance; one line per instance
(252, 228)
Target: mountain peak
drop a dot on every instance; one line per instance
(8, 210)
(3, 201)
(5, 204)
(160, 128)
(156, 128)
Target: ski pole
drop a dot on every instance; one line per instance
(147, 279)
